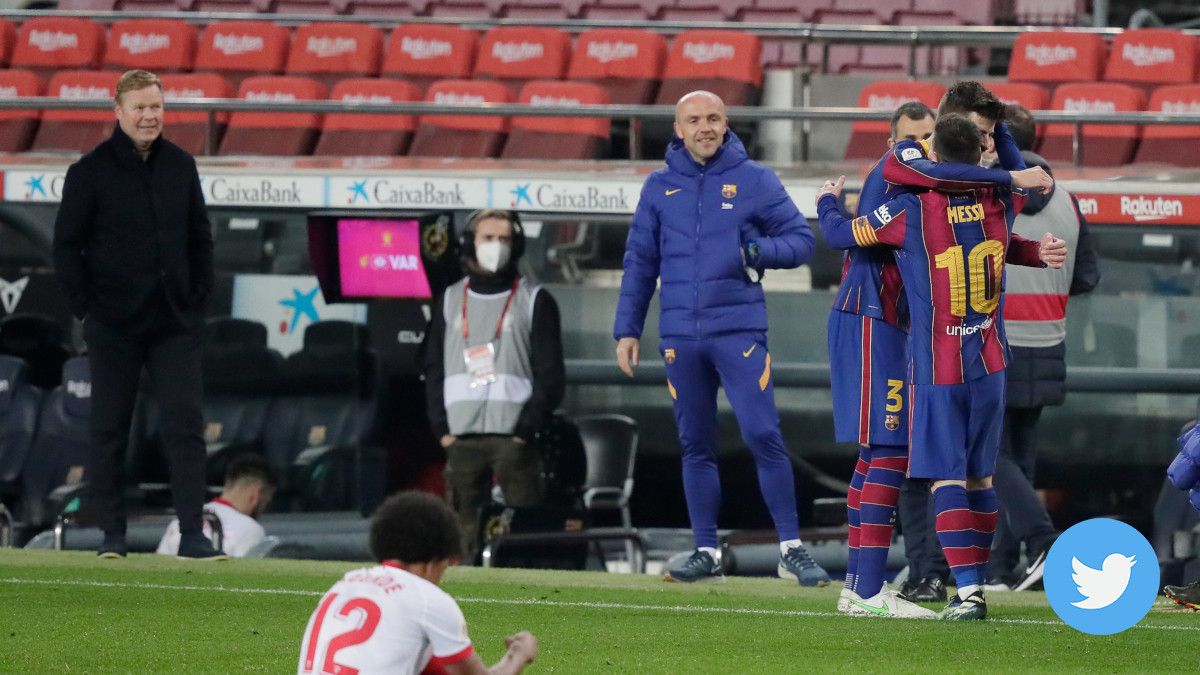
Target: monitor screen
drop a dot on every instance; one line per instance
(381, 259)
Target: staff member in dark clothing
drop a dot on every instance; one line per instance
(133, 251)
(493, 372)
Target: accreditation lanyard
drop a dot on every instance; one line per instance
(481, 359)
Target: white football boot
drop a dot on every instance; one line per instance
(888, 604)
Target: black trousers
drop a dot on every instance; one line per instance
(1023, 517)
(921, 545)
(172, 359)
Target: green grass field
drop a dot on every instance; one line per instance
(69, 612)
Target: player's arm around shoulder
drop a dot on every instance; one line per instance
(788, 241)
(885, 225)
(908, 164)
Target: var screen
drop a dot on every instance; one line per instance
(381, 259)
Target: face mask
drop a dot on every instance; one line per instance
(492, 255)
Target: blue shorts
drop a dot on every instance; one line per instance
(956, 428)
(868, 366)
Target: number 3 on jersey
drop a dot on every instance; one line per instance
(365, 613)
(895, 400)
(985, 266)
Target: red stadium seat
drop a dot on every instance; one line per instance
(17, 126)
(306, 7)
(626, 62)
(701, 10)
(1031, 96)
(146, 5)
(8, 40)
(727, 63)
(1103, 144)
(618, 11)
(978, 12)
(516, 55)
(1052, 57)
(47, 45)
(1172, 144)
(558, 137)
(273, 133)
(348, 134)
(538, 9)
(868, 139)
(241, 49)
(90, 5)
(424, 53)
(473, 136)
(1152, 56)
(384, 8)
(189, 128)
(461, 9)
(330, 52)
(885, 10)
(806, 8)
(77, 130)
(160, 45)
(947, 60)
(1048, 12)
(247, 6)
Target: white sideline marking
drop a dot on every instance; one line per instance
(539, 603)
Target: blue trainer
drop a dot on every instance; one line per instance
(699, 566)
(798, 564)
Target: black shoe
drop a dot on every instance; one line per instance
(113, 546)
(906, 589)
(1188, 596)
(974, 608)
(929, 589)
(1001, 583)
(198, 547)
(1031, 575)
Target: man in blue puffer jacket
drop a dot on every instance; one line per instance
(709, 224)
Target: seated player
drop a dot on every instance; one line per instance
(952, 247)
(249, 487)
(393, 618)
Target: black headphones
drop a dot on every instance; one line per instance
(466, 240)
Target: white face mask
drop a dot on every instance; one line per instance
(492, 255)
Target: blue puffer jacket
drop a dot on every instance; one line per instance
(690, 227)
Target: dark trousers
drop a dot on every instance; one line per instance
(921, 545)
(1023, 517)
(172, 360)
(471, 461)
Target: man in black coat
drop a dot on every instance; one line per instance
(133, 252)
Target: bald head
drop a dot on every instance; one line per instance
(700, 122)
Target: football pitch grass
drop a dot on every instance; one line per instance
(69, 612)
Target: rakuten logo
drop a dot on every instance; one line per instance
(53, 40)
(366, 98)
(183, 93)
(270, 96)
(421, 49)
(1145, 56)
(140, 43)
(701, 52)
(554, 100)
(1089, 105)
(1145, 209)
(511, 52)
(1050, 55)
(80, 91)
(886, 102)
(454, 98)
(1088, 206)
(8, 92)
(607, 52)
(327, 47)
(233, 45)
(1181, 106)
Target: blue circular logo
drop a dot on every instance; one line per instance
(1101, 576)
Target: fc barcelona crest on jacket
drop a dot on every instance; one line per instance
(669, 355)
(729, 190)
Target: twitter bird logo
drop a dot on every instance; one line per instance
(1101, 588)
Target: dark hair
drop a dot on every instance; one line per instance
(970, 96)
(1021, 125)
(913, 110)
(956, 139)
(415, 527)
(250, 466)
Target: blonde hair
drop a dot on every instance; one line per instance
(132, 80)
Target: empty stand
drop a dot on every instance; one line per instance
(558, 137)
(1048, 12)
(368, 135)
(189, 129)
(460, 9)
(247, 6)
(150, 5)
(1031, 96)
(159, 45)
(329, 52)
(8, 41)
(241, 49)
(305, 7)
(884, 10)
(698, 10)
(868, 139)
(424, 53)
(1152, 57)
(1102, 144)
(49, 44)
(619, 10)
(941, 60)
(978, 12)
(77, 130)
(461, 135)
(727, 63)
(18, 126)
(1172, 144)
(384, 8)
(267, 133)
(626, 63)
(1050, 57)
(516, 55)
(538, 9)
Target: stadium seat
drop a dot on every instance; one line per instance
(777, 52)
(558, 137)
(1052, 57)
(1048, 12)
(618, 11)
(47, 45)
(1102, 144)
(700, 10)
(1152, 56)
(884, 10)
(948, 60)
(189, 129)
(247, 6)
(92, 5)
(77, 130)
(304, 7)
(384, 8)
(538, 9)
(424, 53)
(241, 49)
(626, 62)
(978, 12)
(727, 63)
(267, 133)
(18, 126)
(329, 52)
(1031, 96)
(460, 9)
(610, 443)
(806, 9)
(19, 404)
(63, 440)
(868, 139)
(461, 135)
(148, 5)
(159, 45)
(8, 41)
(1172, 144)
(348, 134)
(515, 55)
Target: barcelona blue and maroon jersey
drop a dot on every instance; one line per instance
(951, 250)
